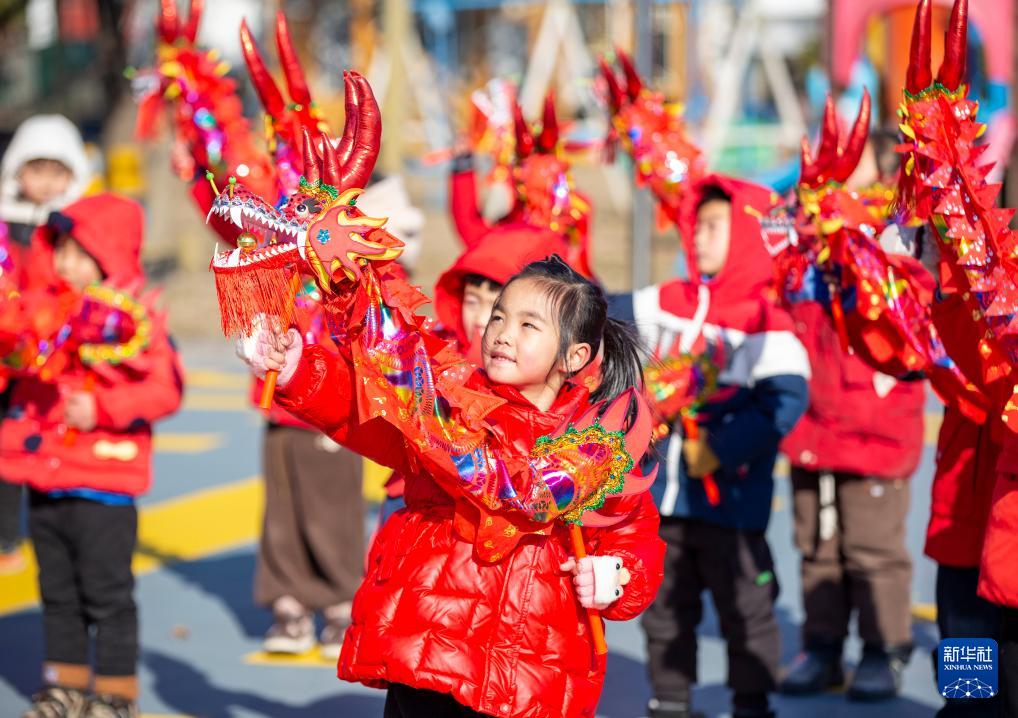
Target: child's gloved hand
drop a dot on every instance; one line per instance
(700, 458)
(598, 580)
(276, 352)
(80, 411)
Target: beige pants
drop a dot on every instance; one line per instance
(850, 530)
(312, 543)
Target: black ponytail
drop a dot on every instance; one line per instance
(581, 310)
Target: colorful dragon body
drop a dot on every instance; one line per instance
(42, 331)
(654, 135)
(944, 185)
(880, 303)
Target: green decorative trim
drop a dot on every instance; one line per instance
(318, 187)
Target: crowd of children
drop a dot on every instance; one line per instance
(541, 479)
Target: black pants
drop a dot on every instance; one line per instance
(736, 567)
(84, 551)
(405, 702)
(1008, 668)
(961, 613)
(10, 516)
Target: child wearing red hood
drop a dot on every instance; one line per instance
(725, 310)
(82, 442)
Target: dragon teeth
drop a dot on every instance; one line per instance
(236, 216)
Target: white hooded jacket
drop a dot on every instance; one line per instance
(51, 137)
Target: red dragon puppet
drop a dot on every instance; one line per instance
(654, 135)
(943, 183)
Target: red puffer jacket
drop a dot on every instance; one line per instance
(967, 452)
(849, 426)
(116, 455)
(506, 638)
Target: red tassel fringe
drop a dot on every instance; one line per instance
(249, 293)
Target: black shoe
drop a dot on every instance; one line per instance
(879, 674)
(751, 713)
(814, 671)
(671, 709)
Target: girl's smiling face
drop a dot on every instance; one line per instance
(521, 344)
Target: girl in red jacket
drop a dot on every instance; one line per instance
(473, 603)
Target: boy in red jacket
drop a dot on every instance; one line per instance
(82, 442)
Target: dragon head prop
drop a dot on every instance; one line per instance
(653, 133)
(207, 115)
(317, 231)
(544, 189)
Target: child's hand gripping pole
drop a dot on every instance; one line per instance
(596, 629)
(710, 486)
(269, 387)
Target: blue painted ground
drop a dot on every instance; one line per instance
(198, 620)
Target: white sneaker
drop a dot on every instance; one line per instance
(293, 631)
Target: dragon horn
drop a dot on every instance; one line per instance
(614, 88)
(292, 70)
(952, 71)
(856, 143)
(807, 168)
(827, 149)
(312, 164)
(168, 22)
(524, 139)
(351, 112)
(265, 86)
(548, 139)
(190, 31)
(633, 82)
(356, 171)
(919, 76)
(332, 170)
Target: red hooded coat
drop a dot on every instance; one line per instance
(116, 455)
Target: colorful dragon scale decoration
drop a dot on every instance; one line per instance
(653, 133)
(409, 378)
(882, 303)
(944, 185)
(317, 231)
(207, 114)
(544, 189)
(286, 121)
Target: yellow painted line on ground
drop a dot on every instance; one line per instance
(311, 659)
(213, 379)
(181, 529)
(169, 442)
(194, 401)
(924, 612)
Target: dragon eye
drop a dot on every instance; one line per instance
(302, 208)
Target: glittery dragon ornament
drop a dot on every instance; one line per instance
(944, 184)
(653, 133)
(880, 303)
(42, 331)
(207, 114)
(544, 190)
